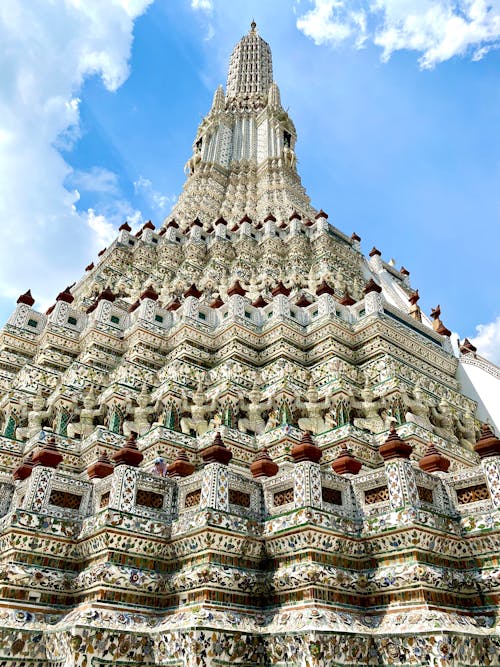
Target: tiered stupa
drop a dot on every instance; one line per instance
(210, 444)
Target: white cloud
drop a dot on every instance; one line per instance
(96, 179)
(155, 199)
(205, 5)
(104, 230)
(487, 340)
(437, 29)
(48, 49)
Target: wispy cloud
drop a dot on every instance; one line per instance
(96, 179)
(437, 29)
(205, 5)
(157, 200)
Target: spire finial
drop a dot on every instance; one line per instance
(253, 25)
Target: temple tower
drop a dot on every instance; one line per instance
(244, 151)
(237, 440)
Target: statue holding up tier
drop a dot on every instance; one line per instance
(417, 408)
(142, 414)
(442, 419)
(465, 427)
(255, 407)
(36, 416)
(315, 407)
(199, 407)
(85, 426)
(369, 406)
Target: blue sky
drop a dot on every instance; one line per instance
(397, 111)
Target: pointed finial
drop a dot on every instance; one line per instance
(253, 26)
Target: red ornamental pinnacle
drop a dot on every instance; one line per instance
(321, 214)
(303, 301)
(65, 296)
(105, 295)
(347, 299)
(394, 447)
(23, 471)
(217, 302)
(263, 465)
(372, 286)
(48, 456)
(26, 298)
(433, 461)
(437, 325)
(355, 237)
(129, 454)
(280, 289)
(488, 444)
(125, 227)
(101, 468)
(236, 288)
(414, 297)
(306, 450)
(374, 252)
(193, 291)
(324, 288)
(181, 467)
(467, 347)
(346, 462)
(174, 305)
(217, 452)
(149, 293)
(259, 302)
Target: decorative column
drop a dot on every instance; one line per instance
(215, 485)
(326, 302)
(281, 306)
(191, 302)
(488, 448)
(172, 229)
(195, 230)
(123, 486)
(220, 228)
(401, 480)
(373, 298)
(236, 300)
(321, 221)
(307, 473)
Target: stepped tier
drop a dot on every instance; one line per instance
(210, 444)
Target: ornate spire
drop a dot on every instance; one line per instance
(243, 156)
(218, 101)
(250, 67)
